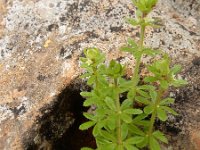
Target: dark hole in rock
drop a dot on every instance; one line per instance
(196, 61)
(58, 128)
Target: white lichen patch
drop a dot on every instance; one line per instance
(4, 50)
(5, 113)
(34, 70)
(65, 68)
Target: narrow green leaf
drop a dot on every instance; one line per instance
(144, 123)
(143, 93)
(154, 145)
(124, 131)
(131, 94)
(109, 146)
(127, 49)
(148, 109)
(135, 140)
(168, 109)
(126, 118)
(132, 43)
(141, 6)
(89, 116)
(86, 67)
(91, 80)
(89, 102)
(83, 59)
(150, 52)
(164, 84)
(140, 117)
(163, 65)
(142, 100)
(101, 142)
(153, 95)
(133, 111)
(167, 101)
(161, 114)
(131, 21)
(176, 69)
(111, 122)
(86, 94)
(101, 124)
(153, 69)
(160, 136)
(140, 120)
(143, 2)
(134, 129)
(137, 54)
(130, 147)
(108, 136)
(86, 125)
(96, 130)
(146, 87)
(150, 79)
(144, 143)
(126, 104)
(178, 83)
(124, 85)
(101, 112)
(138, 13)
(110, 103)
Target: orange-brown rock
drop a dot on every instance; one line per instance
(41, 41)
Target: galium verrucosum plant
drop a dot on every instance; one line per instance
(117, 123)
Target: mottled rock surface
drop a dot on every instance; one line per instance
(41, 40)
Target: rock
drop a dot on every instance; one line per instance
(195, 138)
(41, 40)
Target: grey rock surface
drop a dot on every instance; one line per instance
(41, 40)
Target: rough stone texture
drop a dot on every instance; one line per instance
(41, 40)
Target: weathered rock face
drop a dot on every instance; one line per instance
(41, 40)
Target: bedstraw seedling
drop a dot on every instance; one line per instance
(117, 124)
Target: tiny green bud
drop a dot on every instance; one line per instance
(92, 53)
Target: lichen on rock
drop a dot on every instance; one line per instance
(41, 41)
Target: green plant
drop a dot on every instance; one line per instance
(117, 123)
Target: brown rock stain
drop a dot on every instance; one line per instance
(195, 139)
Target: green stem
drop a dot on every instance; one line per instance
(96, 79)
(154, 113)
(118, 122)
(142, 32)
(138, 59)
